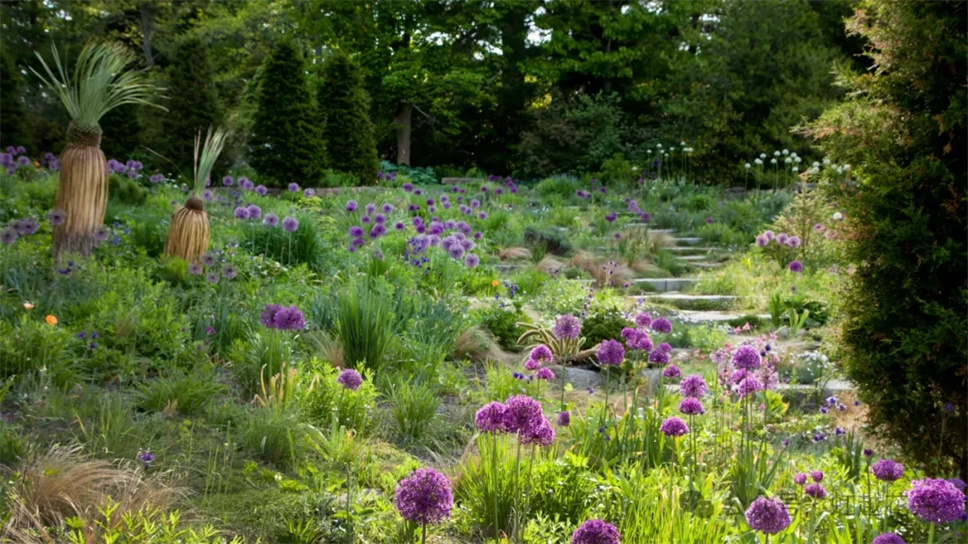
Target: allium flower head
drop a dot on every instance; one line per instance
(762, 240)
(796, 266)
(255, 212)
(268, 316)
(935, 500)
(674, 426)
(532, 365)
(542, 434)
(567, 327)
(564, 419)
(694, 386)
(659, 357)
(271, 219)
(611, 352)
(424, 497)
(261, 190)
(816, 491)
(672, 371)
(888, 538)
(542, 353)
(661, 324)
(241, 212)
(769, 516)
(57, 217)
(545, 374)
(351, 206)
(596, 531)
(350, 379)
(289, 319)
(290, 224)
(293, 187)
(817, 476)
(887, 470)
(782, 238)
(522, 415)
(490, 418)
(800, 478)
(691, 406)
(793, 241)
(749, 386)
(209, 258)
(746, 357)
(229, 272)
(471, 260)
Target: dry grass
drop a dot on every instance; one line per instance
(61, 483)
(612, 274)
(551, 266)
(477, 345)
(514, 254)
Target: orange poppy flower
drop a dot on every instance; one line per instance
(28, 306)
(51, 320)
(494, 283)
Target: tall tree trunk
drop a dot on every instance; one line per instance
(401, 119)
(147, 22)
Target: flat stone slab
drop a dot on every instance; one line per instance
(687, 240)
(693, 257)
(663, 285)
(579, 378)
(682, 296)
(690, 249)
(704, 264)
(695, 316)
(455, 181)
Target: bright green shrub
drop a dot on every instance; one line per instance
(603, 324)
(502, 322)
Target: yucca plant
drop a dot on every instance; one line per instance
(188, 235)
(99, 83)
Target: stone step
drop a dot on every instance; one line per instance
(687, 240)
(691, 249)
(706, 265)
(696, 258)
(712, 316)
(663, 285)
(691, 302)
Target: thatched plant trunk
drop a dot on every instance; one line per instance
(188, 234)
(83, 190)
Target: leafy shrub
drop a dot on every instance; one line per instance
(603, 324)
(126, 191)
(305, 245)
(562, 186)
(502, 322)
(551, 241)
(32, 345)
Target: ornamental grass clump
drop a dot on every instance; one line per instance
(99, 83)
(188, 235)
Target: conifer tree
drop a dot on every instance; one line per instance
(13, 117)
(285, 145)
(193, 104)
(343, 110)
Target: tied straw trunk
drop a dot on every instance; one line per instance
(83, 190)
(188, 235)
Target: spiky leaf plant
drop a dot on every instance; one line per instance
(188, 234)
(99, 83)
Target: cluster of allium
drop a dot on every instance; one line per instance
(637, 339)
(130, 168)
(276, 316)
(539, 356)
(521, 415)
(936, 501)
(424, 497)
(633, 207)
(386, 176)
(769, 516)
(19, 228)
(210, 261)
(743, 370)
(596, 531)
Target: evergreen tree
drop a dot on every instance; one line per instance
(285, 145)
(13, 117)
(903, 133)
(343, 108)
(193, 103)
(122, 132)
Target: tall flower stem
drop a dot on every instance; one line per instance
(423, 537)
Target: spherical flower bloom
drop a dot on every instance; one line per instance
(542, 434)
(749, 386)
(793, 241)
(290, 224)
(261, 190)
(665, 347)
(271, 220)
(195, 269)
(408, 187)
(817, 476)
(293, 187)
(545, 374)
(350, 379)
(796, 266)
(888, 538)
(816, 491)
(659, 357)
(351, 206)
(522, 415)
(746, 357)
(674, 426)
(567, 327)
(542, 353)
(455, 252)
(155, 178)
(596, 531)
(425, 497)
(629, 335)
(564, 419)
(471, 260)
(268, 316)
(782, 238)
(672, 371)
(289, 319)
(227, 181)
(212, 277)
(229, 272)
(661, 324)
(762, 240)
(935, 500)
(691, 406)
(887, 470)
(490, 418)
(532, 365)
(800, 478)
(611, 352)
(694, 386)
(57, 217)
(209, 259)
(400, 226)
(356, 231)
(769, 516)
(241, 212)
(611, 217)
(255, 212)
(957, 482)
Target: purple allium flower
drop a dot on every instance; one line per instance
(255, 212)
(749, 386)
(694, 386)
(659, 357)
(293, 187)
(146, 458)
(596, 531)
(935, 500)
(868, 452)
(209, 259)
(156, 178)
(611, 352)
(379, 219)
(665, 347)
(564, 419)
(408, 187)
(417, 192)
(888, 538)
(532, 365)
(542, 434)
(567, 327)
(229, 272)
(57, 217)
(400, 226)
(356, 231)
(241, 212)
(482, 216)
(350, 379)
(370, 208)
(817, 476)
(769, 235)
(661, 324)
(351, 206)
(261, 190)
(424, 497)
(245, 183)
(887, 470)
(289, 319)
(490, 418)
(816, 491)
(796, 266)
(309, 193)
(207, 194)
(762, 240)
(472, 260)
(611, 217)
(271, 219)
(542, 354)
(227, 181)
(691, 406)
(800, 479)
(672, 371)
(195, 269)
(545, 374)
(643, 320)
(386, 207)
(23, 160)
(957, 482)
(365, 219)
(522, 415)
(782, 238)
(268, 316)
(768, 516)
(212, 277)
(290, 224)
(377, 231)
(746, 357)
(674, 426)
(793, 241)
